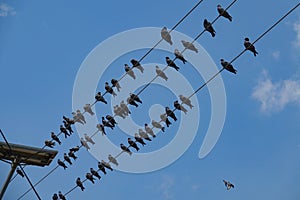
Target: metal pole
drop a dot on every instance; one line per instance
(11, 172)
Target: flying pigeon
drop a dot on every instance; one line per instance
(137, 64)
(157, 125)
(115, 83)
(171, 63)
(55, 196)
(228, 185)
(111, 120)
(165, 119)
(166, 35)
(132, 102)
(87, 108)
(189, 45)
(20, 172)
(139, 139)
(208, 27)
(64, 131)
(84, 144)
(66, 157)
(180, 107)
(186, 101)
(124, 148)
(149, 130)
(95, 173)
(125, 108)
(75, 149)
(106, 123)
(62, 164)
(101, 167)
(90, 177)
(113, 160)
(61, 196)
(160, 73)
(249, 46)
(223, 12)
(99, 97)
(79, 184)
(133, 144)
(228, 66)
(144, 135)
(55, 138)
(170, 113)
(106, 165)
(109, 89)
(179, 56)
(100, 127)
(89, 139)
(135, 97)
(49, 143)
(72, 155)
(129, 71)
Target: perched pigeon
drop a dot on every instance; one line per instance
(171, 63)
(165, 119)
(125, 108)
(101, 167)
(186, 101)
(208, 27)
(129, 71)
(68, 127)
(62, 164)
(113, 160)
(100, 127)
(79, 184)
(72, 155)
(160, 73)
(87, 108)
(99, 97)
(179, 56)
(90, 177)
(68, 120)
(106, 165)
(49, 143)
(133, 144)
(89, 139)
(130, 101)
(55, 196)
(109, 89)
(144, 135)
(170, 113)
(228, 185)
(115, 83)
(20, 172)
(139, 139)
(166, 35)
(106, 123)
(111, 120)
(228, 66)
(120, 111)
(149, 130)
(249, 46)
(61, 196)
(55, 138)
(179, 107)
(135, 97)
(124, 148)
(64, 131)
(76, 118)
(80, 116)
(189, 46)
(223, 12)
(66, 157)
(84, 144)
(157, 125)
(75, 149)
(95, 173)
(137, 64)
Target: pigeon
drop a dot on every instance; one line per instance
(180, 107)
(139, 139)
(165, 119)
(124, 148)
(79, 184)
(100, 127)
(62, 164)
(68, 127)
(157, 125)
(66, 157)
(179, 56)
(87, 108)
(170, 113)
(75, 149)
(208, 27)
(171, 63)
(137, 64)
(106, 165)
(166, 35)
(55, 138)
(101, 167)
(189, 46)
(133, 144)
(223, 12)
(228, 66)
(90, 177)
(118, 111)
(80, 116)
(64, 131)
(186, 101)
(20, 172)
(109, 89)
(99, 97)
(68, 120)
(111, 120)
(89, 139)
(76, 118)
(95, 173)
(249, 46)
(61, 196)
(115, 83)
(106, 123)
(125, 108)
(149, 130)
(160, 73)
(144, 135)
(129, 71)
(113, 160)
(228, 185)
(49, 143)
(132, 102)
(135, 97)
(72, 155)
(55, 196)
(84, 144)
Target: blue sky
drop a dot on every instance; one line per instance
(43, 45)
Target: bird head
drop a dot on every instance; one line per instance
(221, 59)
(219, 6)
(247, 39)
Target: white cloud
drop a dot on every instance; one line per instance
(276, 55)
(275, 96)
(166, 186)
(296, 27)
(6, 10)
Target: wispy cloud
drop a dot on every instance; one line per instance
(6, 10)
(296, 27)
(275, 96)
(166, 186)
(276, 55)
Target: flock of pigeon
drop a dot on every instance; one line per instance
(122, 111)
